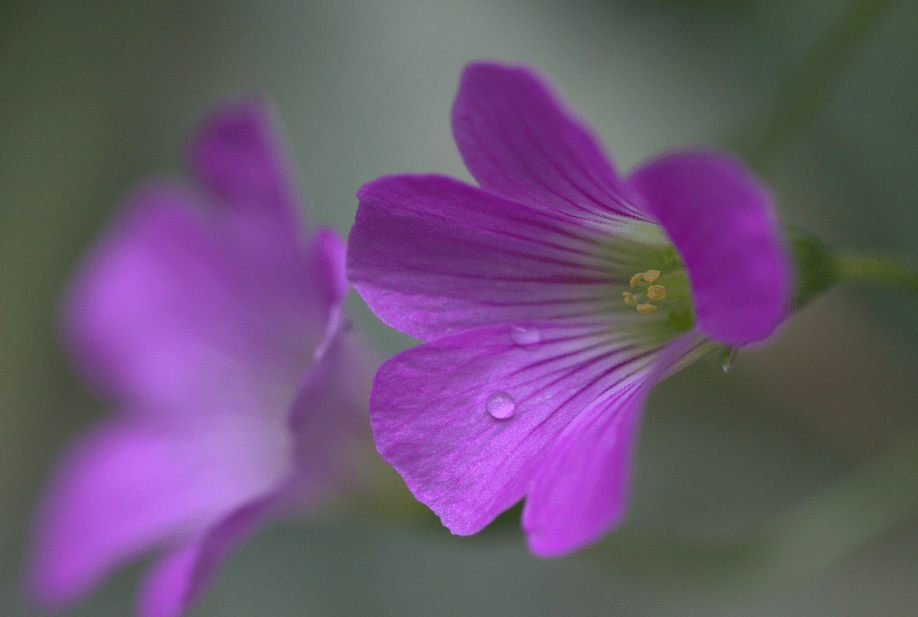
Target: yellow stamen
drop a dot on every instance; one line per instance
(656, 292)
(651, 275)
(629, 299)
(636, 278)
(646, 308)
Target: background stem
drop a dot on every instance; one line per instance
(805, 93)
(885, 270)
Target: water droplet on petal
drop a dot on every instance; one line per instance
(500, 405)
(525, 337)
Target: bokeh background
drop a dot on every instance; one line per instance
(97, 95)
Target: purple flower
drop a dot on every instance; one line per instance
(551, 300)
(217, 328)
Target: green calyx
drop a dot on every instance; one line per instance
(817, 266)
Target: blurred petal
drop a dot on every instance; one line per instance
(172, 312)
(721, 220)
(327, 254)
(330, 409)
(519, 141)
(432, 255)
(127, 486)
(199, 312)
(179, 576)
(166, 588)
(430, 407)
(238, 154)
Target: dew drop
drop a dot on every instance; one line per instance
(525, 337)
(500, 405)
(727, 358)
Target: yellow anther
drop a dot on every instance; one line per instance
(656, 292)
(636, 278)
(629, 299)
(646, 308)
(650, 276)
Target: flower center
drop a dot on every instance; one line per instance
(654, 292)
(671, 290)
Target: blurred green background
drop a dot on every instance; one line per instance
(97, 95)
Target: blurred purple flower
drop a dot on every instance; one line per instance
(217, 327)
(552, 299)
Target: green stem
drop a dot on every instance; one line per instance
(877, 269)
(818, 533)
(818, 267)
(807, 90)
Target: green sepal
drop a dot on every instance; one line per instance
(817, 265)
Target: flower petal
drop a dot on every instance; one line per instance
(127, 486)
(519, 141)
(721, 220)
(330, 411)
(178, 578)
(171, 311)
(326, 260)
(432, 255)
(237, 152)
(581, 489)
(430, 407)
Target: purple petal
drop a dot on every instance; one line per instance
(330, 411)
(200, 311)
(721, 220)
(581, 489)
(166, 588)
(172, 311)
(430, 407)
(519, 141)
(432, 255)
(177, 578)
(327, 255)
(237, 152)
(127, 486)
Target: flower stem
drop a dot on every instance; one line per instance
(808, 88)
(885, 270)
(818, 533)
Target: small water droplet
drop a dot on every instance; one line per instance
(525, 337)
(500, 405)
(727, 358)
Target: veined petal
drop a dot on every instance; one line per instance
(171, 311)
(519, 141)
(432, 255)
(581, 489)
(720, 218)
(127, 486)
(430, 407)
